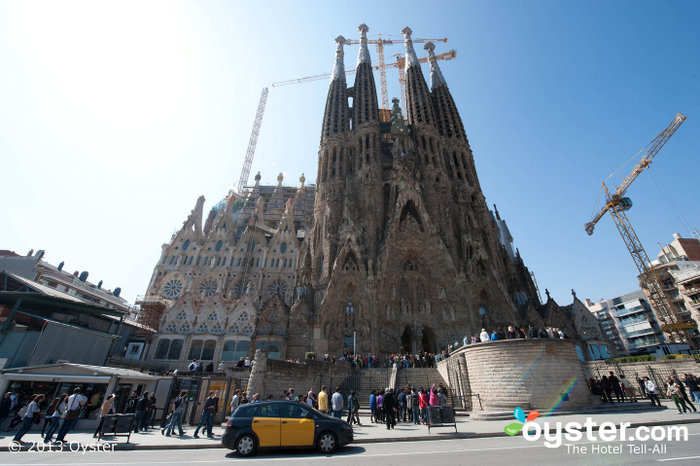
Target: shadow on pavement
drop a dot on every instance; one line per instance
(299, 453)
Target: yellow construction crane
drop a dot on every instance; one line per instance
(617, 204)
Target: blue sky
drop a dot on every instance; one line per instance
(116, 116)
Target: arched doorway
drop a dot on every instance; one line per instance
(428, 341)
(407, 340)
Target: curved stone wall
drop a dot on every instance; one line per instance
(538, 374)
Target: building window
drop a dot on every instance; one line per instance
(241, 349)
(186, 245)
(243, 316)
(171, 327)
(185, 328)
(182, 315)
(208, 288)
(203, 328)
(234, 328)
(229, 350)
(169, 349)
(172, 288)
(248, 329)
(219, 245)
(283, 248)
(208, 350)
(213, 317)
(195, 349)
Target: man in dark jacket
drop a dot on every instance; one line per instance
(403, 406)
(615, 384)
(208, 410)
(5, 404)
(142, 406)
(389, 408)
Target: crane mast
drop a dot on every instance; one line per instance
(245, 173)
(616, 204)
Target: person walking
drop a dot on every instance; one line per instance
(176, 416)
(353, 409)
(207, 411)
(684, 394)
(75, 405)
(615, 385)
(673, 391)
(59, 409)
(28, 418)
(689, 381)
(105, 409)
(337, 403)
(652, 391)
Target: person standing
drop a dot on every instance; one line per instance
(415, 409)
(74, 407)
(311, 399)
(142, 406)
(323, 400)
(403, 405)
(380, 406)
(5, 405)
(207, 411)
(373, 407)
(337, 403)
(389, 409)
(652, 391)
(28, 418)
(59, 409)
(615, 384)
(235, 401)
(176, 417)
(105, 409)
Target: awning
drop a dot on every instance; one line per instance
(58, 378)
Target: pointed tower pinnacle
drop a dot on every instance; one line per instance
(411, 57)
(363, 55)
(339, 66)
(398, 124)
(436, 78)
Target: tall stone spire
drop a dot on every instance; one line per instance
(363, 55)
(339, 65)
(335, 119)
(365, 107)
(419, 108)
(411, 58)
(436, 78)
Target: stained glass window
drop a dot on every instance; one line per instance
(172, 288)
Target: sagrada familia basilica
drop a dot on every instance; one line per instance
(395, 246)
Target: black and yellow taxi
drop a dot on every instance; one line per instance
(281, 424)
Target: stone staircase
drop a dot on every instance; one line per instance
(421, 377)
(363, 381)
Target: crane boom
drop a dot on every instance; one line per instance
(655, 147)
(245, 173)
(400, 63)
(616, 205)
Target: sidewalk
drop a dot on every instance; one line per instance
(374, 433)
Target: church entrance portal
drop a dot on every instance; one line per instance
(407, 340)
(428, 341)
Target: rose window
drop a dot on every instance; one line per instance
(208, 288)
(172, 288)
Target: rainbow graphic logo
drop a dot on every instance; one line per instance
(519, 414)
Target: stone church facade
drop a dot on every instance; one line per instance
(394, 249)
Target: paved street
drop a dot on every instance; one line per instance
(406, 445)
(500, 450)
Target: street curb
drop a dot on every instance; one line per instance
(443, 436)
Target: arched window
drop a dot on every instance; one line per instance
(219, 245)
(283, 248)
(186, 245)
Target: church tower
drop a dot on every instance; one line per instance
(403, 254)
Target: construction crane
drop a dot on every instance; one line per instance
(245, 173)
(400, 64)
(617, 204)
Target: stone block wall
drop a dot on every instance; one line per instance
(272, 377)
(534, 374)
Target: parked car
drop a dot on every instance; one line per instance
(282, 424)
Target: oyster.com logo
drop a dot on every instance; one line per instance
(519, 414)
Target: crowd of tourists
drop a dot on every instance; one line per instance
(610, 389)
